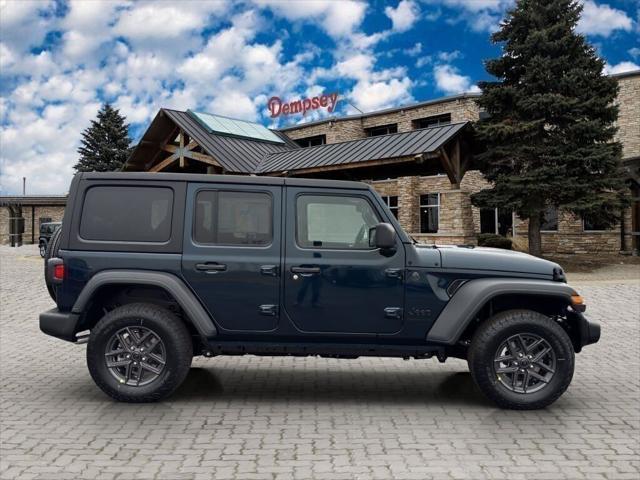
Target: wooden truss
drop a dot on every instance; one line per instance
(185, 149)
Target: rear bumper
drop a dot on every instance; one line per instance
(59, 324)
(587, 332)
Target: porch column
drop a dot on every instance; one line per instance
(408, 203)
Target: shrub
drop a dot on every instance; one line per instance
(496, 241)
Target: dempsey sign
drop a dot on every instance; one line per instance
(277, 107)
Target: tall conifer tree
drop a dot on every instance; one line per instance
(549, 136)
(105, 144)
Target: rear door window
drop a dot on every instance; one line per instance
(233, 218)
(127, 214)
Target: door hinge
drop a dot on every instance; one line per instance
(268, 310)
(393, 313)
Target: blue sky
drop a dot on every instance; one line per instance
(60, 60)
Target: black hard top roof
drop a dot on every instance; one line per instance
(230, 179)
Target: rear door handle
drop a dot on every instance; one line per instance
(305, 271)
(210, 267)
(269, 270)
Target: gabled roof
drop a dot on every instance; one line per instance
(394, 145)
(235, 154)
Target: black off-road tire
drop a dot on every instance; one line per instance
(167, 326)
(52, 251)
(487, 340)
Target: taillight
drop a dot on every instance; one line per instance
(58, 272)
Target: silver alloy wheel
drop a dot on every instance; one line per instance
(135, 356)
(525, 363)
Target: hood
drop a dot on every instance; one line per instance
(493, 259)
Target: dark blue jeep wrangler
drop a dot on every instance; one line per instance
(152, 269)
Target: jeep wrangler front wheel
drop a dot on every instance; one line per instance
(139, 353)
(521, 359)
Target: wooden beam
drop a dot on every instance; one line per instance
(201, 157)
(328, 168)
(182, 162)
(170, 148)
(448, 166)
(165, 163)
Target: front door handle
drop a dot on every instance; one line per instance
(394, 272)
(306, 271)
(210, 267)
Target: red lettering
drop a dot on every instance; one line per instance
(285, 109)
(315, 103)
(274, 104)
(323, 101)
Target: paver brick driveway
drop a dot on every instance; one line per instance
(281, 418)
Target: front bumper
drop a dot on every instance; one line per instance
(586, 332)
(59, 324)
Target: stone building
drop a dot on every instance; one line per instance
(35, 210)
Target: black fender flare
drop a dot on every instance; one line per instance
(201, 319)
(474, 294)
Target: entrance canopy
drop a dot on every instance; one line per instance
(197, 142)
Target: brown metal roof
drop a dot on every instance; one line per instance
(395, 145)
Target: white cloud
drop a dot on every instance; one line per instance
(403, 16)
(451, 82)
(621, 67)
(634, 52)
(603, 20)
(337, 18)
(369, 96)
(24, 24)
(415, 50)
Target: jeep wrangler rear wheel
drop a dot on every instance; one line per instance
(521, 359)
(139, 353)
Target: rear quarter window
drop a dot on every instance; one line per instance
(127, 214)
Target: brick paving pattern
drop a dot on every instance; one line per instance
(309, 418)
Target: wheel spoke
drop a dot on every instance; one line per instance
(525, 382)
(504, 358)
(144, 337)
(541, 355)
(157, 358)
(537, 376)
(151, 368)
(534, 345)
(507, 369)
(546, 367)
(118, 363)
(116, 352)
(127, 373)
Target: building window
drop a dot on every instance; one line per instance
(590, 224)
(433, 121)
(429, 212)
(382, 130)
(312, 141)
(498, 221)
(549, 220)
(392, 203)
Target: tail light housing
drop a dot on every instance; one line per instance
(56, 270)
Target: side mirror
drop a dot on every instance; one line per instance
(382, 236)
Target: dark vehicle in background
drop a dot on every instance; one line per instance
(152, 269)
(46, 232)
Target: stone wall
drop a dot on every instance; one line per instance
(462, 108)
(629, 115)
(55, 212)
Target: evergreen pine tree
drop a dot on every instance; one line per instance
(549, 134)
(105, 144)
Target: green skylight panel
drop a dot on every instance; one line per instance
(239, 128)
